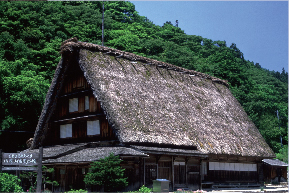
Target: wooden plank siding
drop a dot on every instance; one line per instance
(76, 86)
(79, 132)
(63, 106)
(74, 83)
(181, 171)
(273, 172)
(231, 176)
(70, 176)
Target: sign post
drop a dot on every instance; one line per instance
(23, 161)
(39, 171)
(19, 159)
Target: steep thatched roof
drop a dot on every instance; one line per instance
(149, 101)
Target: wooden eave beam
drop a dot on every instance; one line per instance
(79, 118)
(174, 154)
(76, 93)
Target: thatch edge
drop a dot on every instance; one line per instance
(71, 44)
(50, 103)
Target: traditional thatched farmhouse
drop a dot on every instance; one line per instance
(164, 121)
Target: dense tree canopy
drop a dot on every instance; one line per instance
(31, 34)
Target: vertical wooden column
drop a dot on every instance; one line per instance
(186, 170)
(157, 162)
(201, 173)
(18, 171)
(39, 171)
(144, 171)
(173, 174)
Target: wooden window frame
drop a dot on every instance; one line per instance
(66, 131)
(86, 103)
(73, 107)
(96, 127)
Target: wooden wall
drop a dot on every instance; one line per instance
(271, 172)
(228, 176)
(132, 166)
(71, 176)
(181, 171)
(231, 176)
(76, 87)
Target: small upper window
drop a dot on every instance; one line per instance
(93, 127)
(73, 105)
(86, 99)
(66, 131)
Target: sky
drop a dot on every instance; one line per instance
(258, 28)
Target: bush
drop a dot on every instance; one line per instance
(107, 173)
(80, 190)
(9, 183)
(145, 189)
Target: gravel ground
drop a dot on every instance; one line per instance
(267, 189)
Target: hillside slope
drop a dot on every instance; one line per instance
(31, 34)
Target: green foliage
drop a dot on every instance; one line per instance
(31, 34)
(145, 189)
(80, 190)
(283, 154)
(9, 183)
(32, 178)
(108, 173)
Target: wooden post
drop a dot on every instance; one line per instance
(201, 174)
(39, 171)
(17, 171)
(157, 162)
(186, 170)
(144, 171)
(0, 160)
(173, 174)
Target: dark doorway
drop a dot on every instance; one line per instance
(179, 173)
(150, 173)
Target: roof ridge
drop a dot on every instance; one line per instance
(70, 44)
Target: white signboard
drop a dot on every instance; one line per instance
(20, 159)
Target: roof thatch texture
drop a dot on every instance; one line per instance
(82, 153)
(95, 154)
(154, 102)
(169, 151)
(58, 150)
(275, 162)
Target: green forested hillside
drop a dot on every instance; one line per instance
(31, 34)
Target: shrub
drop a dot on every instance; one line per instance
(9, 183)
(80, 190)
(145, 189)
(107, 173)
